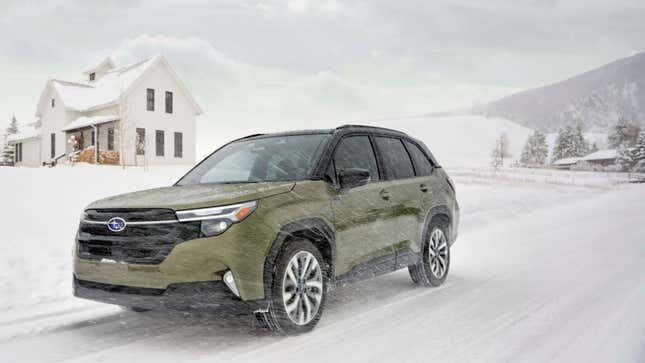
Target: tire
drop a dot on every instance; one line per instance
(135, 309)
(297, 296)
(433, 268)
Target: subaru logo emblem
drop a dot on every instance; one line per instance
(116, 224)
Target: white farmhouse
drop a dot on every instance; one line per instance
(141, 114)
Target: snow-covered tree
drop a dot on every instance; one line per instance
(497, 160)
(6, 157)
(563, 144)
(639, 148)
(501, 151)
(624, 158)
(535, 150)
(580, 144)
(623, 133)
(570, 143)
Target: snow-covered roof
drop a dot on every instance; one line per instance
(24, 133)
(566, 161)
(103, 92)
(84, 121)
(608, 154)
(107, 90)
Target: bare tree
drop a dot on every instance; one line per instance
(501, 151)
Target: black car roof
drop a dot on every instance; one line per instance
(340, 129)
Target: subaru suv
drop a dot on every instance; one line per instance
(271, 223)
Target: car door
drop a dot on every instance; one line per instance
(402, 189)
(425, 186)
(360, 213)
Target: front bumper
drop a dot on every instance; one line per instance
(208, 295)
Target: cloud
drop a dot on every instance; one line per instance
(240, 98)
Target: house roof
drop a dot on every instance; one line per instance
(566, 161)
(24, 133)
(107, 90)
(84, 121)
(608, 154)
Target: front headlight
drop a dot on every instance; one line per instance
(217, 220)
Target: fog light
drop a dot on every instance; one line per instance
(230, 283)
(214, 227)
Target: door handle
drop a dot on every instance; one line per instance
(423, 187)
(385, 194)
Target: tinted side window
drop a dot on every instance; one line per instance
(396, 160)
(356, 152)
(422, 165)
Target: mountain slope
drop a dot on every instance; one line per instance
(596, 99)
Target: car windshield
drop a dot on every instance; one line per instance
(278, 158)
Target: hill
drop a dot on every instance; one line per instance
(596, 99)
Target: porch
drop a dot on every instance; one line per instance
(85, 135)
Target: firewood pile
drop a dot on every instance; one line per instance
(105, 157)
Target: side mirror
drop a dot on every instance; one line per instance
(353, 177)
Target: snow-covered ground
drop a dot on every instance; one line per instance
(549, 265)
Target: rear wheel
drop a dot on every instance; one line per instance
(298, 291)
(432, 270)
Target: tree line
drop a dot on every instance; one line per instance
(625, 137)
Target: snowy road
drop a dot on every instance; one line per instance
(532, 279)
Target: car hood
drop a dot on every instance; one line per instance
(194, 196)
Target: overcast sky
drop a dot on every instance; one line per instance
(261, 65)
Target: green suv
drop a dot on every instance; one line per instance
(270, 224)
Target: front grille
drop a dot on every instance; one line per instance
(140, 244)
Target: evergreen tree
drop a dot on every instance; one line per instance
(580, 144)
(623, 133)
(6, 157)
(497, 160)
(639, 150)
(535, 151)
(13, 126)
(564, 145)
(624, 158)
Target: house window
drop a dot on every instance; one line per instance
(53, 145)
(92, 76)
(179, 145)
(159, 136)
(93, 137)
(110, 139)
(168, 102)
(141, 141)
(18, 152)
(53, 102)
(150, 99)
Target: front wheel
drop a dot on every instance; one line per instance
(298, 292)
(433, 268)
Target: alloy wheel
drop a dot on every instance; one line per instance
(438, 253)
(302, 288)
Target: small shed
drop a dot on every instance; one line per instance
(602, 157)
(565, 163)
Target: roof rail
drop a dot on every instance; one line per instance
(250, 136)
(368, 127)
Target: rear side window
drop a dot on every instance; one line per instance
(356, 152)
(396, 161)
(422, 165)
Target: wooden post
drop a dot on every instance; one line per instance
(96, 144)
